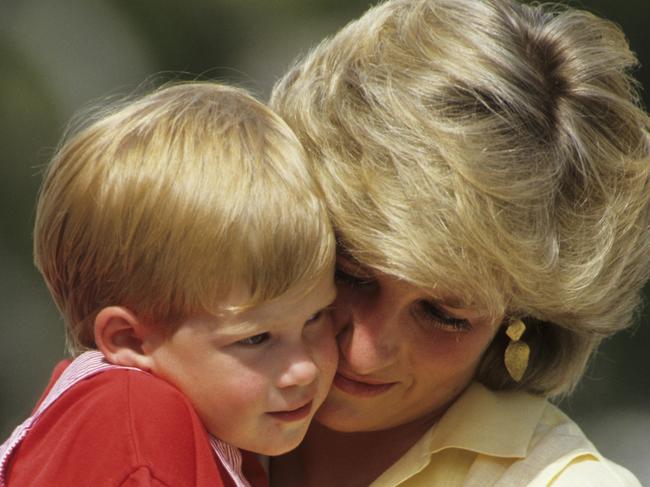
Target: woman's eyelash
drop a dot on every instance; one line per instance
(433, 312)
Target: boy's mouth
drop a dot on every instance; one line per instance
(293, 414)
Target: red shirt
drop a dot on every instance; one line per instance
(121, 428)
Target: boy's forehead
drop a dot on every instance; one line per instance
(299, 301)
(301, 298)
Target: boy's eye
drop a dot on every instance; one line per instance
(255, 339)
(321, 315)
(314, 318)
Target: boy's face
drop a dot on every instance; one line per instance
(256, 377)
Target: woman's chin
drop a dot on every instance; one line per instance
(346, 418)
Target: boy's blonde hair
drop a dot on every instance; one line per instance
(493, 150)
(166, 204)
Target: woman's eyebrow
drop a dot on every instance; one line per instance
(342, 247)
(350, 264)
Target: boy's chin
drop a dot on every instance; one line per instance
(277, 449)
(270, 445)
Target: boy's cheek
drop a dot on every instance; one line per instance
(328, 351)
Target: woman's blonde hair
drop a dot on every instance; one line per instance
(166, 203)
(494, 150)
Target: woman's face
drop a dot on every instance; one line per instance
(404, 353)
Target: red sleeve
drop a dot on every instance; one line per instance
(117, 428)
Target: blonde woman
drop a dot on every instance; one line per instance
(487, 168)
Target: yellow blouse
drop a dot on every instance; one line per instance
(504, 439)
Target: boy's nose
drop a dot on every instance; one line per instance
(300, 370)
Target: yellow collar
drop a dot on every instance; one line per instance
(478, 419)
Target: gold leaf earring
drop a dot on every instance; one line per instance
(517, 352)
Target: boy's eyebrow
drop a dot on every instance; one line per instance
(251, 326)
(242, 328)
(246, 327)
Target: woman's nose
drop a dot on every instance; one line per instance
(368, 338)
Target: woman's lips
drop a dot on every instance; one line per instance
(361, 388)
(293, 415)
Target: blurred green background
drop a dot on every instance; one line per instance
(58, 57)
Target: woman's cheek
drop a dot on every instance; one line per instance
(458, 351)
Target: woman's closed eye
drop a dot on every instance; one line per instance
(347, 278)
(432, 313)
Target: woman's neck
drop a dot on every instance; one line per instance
(328, 457)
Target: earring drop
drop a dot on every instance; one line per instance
(517, 352)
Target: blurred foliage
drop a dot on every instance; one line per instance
(189, 37)
(30, 124)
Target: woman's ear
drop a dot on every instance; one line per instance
(119, 335)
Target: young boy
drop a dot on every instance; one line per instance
(188, 250)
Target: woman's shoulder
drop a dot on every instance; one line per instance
(563, 456)
(590, 471)
(529, 442)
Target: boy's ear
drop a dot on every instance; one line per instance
(119, 335)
